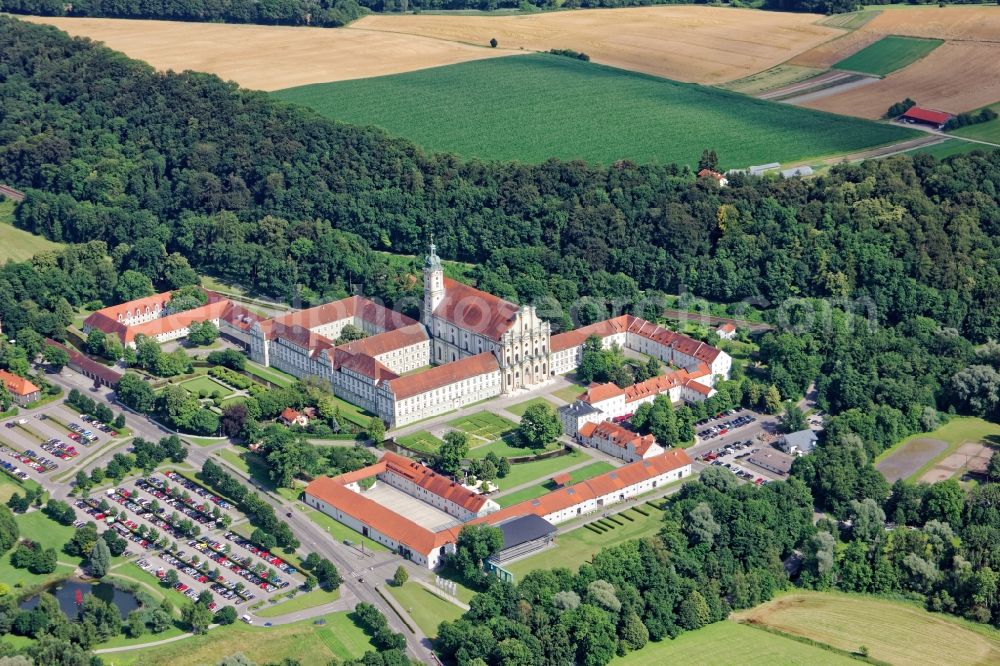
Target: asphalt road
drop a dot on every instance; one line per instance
(375, 569)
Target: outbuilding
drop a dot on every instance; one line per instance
(935, 119)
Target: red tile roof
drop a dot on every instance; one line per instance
(363, 365)
(443, 375)
(614, 434)
(433, 482)
(375, 515)
(347, 308)
(218, 307)
(562, 478)
(289, 415)
(727, 327)
(708, 173)
(601, 392)
(927, 115)
(18, 385)
(475, 310)
(382, 343)
(598, 486)
(88, 365)
(587, 429)
(636, 326)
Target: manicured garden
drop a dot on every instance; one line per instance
(273, 375)
(421, 441)
(576, 476)
(579, 545)
(508, 447)
(207, 384)
(485, 425)
(539, 469)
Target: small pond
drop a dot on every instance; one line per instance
(71, 592)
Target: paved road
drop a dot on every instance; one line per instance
(311, 535)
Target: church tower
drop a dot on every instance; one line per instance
(433, 284)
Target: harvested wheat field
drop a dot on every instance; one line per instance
(684, 43)
(970, 24)
(270, 57)
(945, 80)
(896, 633)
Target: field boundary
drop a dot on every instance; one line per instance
(810, 642)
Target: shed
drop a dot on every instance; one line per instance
(936, 119)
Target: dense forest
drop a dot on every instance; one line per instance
(324, 13)
(262, 193)
(881, 278)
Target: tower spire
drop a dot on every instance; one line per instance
(433, 262)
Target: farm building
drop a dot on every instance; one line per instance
(935, 119)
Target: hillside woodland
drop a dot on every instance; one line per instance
(881, 277)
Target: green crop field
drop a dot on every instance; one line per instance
(950, 147)
(888, 54)
(17, 244)
(988, 131)
(893, 632)
(534, 107)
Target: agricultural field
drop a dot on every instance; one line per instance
(940, 80)
(888, 54)
(534, 107)
(948, 148)
(17, 244)
(312, 644)
(269, 57)
(426, 608)
(769, 79)
(732, 643)
(576, 476)
(686, 43)
(579, 545)
(988, 131)
(893, 632)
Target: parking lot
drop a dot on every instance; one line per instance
(174, 524)
(56, 439)
(734, 457)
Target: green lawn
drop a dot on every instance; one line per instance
(236, 399)
(988, 131)
(508, 447)
(948, 148)
(888, 54)
(730, 643)
(486, 425)
(205, 383)
(311, 644)
(300, 601)
(273, 375)
(578, 546)
(341, 532)
(7, 488)
(17, 244)
(36, 526)
(427, 609)
(520, 408)
(421, 441)
(539, 469)
(894, 632)
(533, 107)
(569, 393)
(576, 476)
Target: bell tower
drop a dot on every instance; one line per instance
(433, 284)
